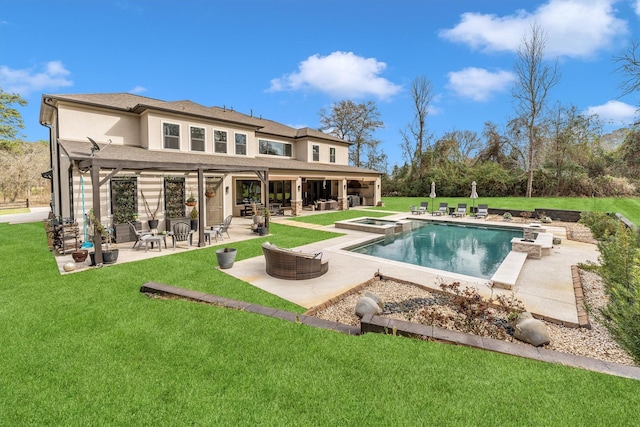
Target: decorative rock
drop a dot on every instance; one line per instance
(375, 297)
(69, 266)
(366, 305)
(531, 330)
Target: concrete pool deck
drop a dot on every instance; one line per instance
(545, 286)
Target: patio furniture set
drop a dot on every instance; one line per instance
(461, 211)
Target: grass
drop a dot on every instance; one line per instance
(629, 207)
(88, 348)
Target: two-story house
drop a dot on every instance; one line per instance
(169, 151)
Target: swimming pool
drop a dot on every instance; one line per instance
(463, 249)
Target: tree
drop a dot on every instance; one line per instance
(415, 137)
(573, 137)
(21, 165)
(534, 80)
(494, 150)
(629, 66)
(355, 123)
(10, 118)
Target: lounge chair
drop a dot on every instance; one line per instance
(461, 211)
(442, 209)
(414, 210)
(292, 265)
(423, 207)
(482, 212)
(139, 235)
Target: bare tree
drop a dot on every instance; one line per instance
(415, 138)
(629, 66)
(355, 123)
(534, 80)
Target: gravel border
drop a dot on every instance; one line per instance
(596, 342)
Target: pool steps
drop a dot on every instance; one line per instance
(507, 274)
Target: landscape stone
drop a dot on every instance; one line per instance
(531, 330)
(375, 297)
(366, 305)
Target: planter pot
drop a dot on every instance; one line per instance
(263, 231)
(194, 224)
(257, 219)
(153, 224)
(209, 194)
(191, 203)
(80, 256)
(110, 257)
(226, 257)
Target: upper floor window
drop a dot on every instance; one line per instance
(332, 155)
(219, 141)
(171, 133)
(316, 153)
(197, 139)
(241, 144)
(274, 148)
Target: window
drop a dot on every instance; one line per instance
(316, 153)
(248, 191)
(220, 141)
(171, 134)
(274, 148)
(197, 139)
(241, 144)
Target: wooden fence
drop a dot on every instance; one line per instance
(16, 204)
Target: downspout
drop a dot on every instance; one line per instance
(53, 139)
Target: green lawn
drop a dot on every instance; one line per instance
(89, 349)
(629, 207)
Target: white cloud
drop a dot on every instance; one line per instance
(479, 84)
(26, 81)
(614, 112)
(138, 89)
(340, 74)
(574, 28)
(636, 7)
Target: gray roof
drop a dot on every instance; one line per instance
(137, 104)
(131, 157)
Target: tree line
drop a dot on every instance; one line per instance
(543, 150)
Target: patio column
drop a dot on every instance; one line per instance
(343, 201)
(296, 199)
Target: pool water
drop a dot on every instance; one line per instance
(469, 250)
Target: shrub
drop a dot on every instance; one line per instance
(620, 272)
(601, 224)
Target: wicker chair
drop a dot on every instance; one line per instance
(292, 265)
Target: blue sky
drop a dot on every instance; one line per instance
(286, 60)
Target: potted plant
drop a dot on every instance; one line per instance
(226, 257)
(209, 193)
(152, 214)
(506, 216)
(191, 201)
(263, 227)
(194, 218)
(110, 251)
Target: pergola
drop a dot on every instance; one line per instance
(118, 158)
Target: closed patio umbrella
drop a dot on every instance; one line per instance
(474, 195)
(432, 195)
